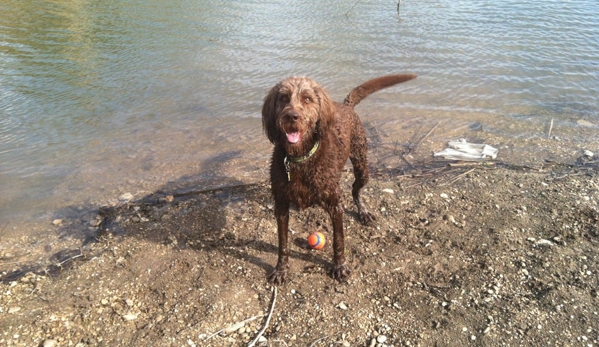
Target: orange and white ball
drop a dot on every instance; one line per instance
(316, 240)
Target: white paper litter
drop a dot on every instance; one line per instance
(462, 150)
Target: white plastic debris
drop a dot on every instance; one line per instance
(462, 150)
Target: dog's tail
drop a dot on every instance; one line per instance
(360, 92)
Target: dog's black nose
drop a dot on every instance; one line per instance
(292, 116)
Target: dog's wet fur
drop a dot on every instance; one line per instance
(299, 117)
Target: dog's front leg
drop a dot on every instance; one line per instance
(279, 275)
(341, 270)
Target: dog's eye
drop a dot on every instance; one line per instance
(284, 98)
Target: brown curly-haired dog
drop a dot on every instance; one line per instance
(313, 138)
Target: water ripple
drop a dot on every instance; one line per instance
(107, 85)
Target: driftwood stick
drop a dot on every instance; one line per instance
(550, 127)
(210, 190)
(412, 148)
(272, 307)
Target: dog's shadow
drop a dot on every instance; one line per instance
(229, 217)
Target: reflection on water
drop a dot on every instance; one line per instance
(98, 98)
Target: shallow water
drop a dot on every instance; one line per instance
(102, 98)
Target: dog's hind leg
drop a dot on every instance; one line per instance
(358, 158)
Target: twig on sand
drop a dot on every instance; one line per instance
(71, 258)
(425, 136)
(550, 127)
(210, 190)
(272, 307)
(239, 324)
(354, 5)
(455, 179)
(411, 148)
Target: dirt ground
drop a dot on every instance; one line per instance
(460, 255)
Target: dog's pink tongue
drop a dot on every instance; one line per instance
(293, 137)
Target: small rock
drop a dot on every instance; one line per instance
(130, 316)
(589, 153)
(169, 198)
(125, 197)
(57, 222)
(545, 243)
(49, 343)
(14, 310)
(585, 123)
(389, 191)
(450, 218)
(444, 196)
(381, 339)
(342, 305)
(372, 343)
(233, 328)
(129, 302)
(262, 339)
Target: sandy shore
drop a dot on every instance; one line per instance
(481, 255)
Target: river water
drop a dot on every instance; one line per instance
(99, 98)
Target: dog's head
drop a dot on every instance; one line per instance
(295, 111)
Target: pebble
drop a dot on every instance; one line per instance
(130, 316)
(57, 221)
(14, 310)
(544, 242)
(233, 328)
(126, 197)
(444, 196)
(49, 343)
(95, 222)
(589, 153)
(381, 339)
(387, 190)
(585, 123)
(342, 305)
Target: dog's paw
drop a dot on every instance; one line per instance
(366, 217)
(341, 272)
(278, 277)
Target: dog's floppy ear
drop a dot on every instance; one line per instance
(327, 110)
(269, 114)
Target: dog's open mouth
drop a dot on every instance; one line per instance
(294, 137)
